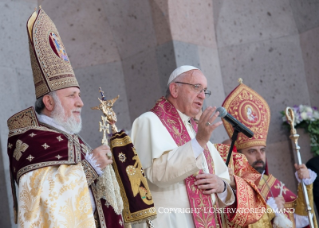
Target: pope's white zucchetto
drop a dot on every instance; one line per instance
(178, 71)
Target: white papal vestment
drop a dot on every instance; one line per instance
(166, 166)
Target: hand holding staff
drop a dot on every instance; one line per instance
(294, 137)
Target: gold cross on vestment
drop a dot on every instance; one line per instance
(30, 158)
(104, 126)
(20, 147)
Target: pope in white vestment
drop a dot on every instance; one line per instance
(167, 165)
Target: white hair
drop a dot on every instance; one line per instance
(70, 124)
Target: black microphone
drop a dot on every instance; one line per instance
(234, 122)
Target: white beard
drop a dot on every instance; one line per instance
(71, 125)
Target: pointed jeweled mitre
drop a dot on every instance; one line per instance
(249, 108)
(50, 63)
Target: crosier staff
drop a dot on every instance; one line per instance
(294, 138)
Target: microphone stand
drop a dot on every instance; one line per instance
(233, 139)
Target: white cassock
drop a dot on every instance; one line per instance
(166, 166)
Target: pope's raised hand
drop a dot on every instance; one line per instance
(101, 156)
(206, 126)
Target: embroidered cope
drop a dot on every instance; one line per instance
(54, 178)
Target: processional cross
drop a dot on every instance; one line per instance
(109, 117)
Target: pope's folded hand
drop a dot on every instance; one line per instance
(210, 183)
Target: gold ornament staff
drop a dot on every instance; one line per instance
(294, 138)
(108, 119)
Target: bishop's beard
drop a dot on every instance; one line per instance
(71, 125)
(260, 169)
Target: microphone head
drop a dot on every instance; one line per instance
(222, 112)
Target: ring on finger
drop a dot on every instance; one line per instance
(208, 123)
(109, 154)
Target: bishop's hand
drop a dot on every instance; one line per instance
(280, 202)
(302, 171)
(101, 156)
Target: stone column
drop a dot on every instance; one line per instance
(16, 86)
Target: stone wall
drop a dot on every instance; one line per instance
(130, 48)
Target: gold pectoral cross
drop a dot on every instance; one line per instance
(104, 126)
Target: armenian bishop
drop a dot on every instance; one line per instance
(287, 209)
(55, 170)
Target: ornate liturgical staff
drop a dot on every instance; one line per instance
(294, 138)
(137, 198)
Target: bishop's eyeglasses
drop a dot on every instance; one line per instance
(198, 88)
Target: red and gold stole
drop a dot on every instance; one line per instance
(271, 188)
(201, 204)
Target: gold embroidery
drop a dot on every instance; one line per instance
(70, 148)
(25, 118)
(149, 213)
(264, 188)
(45, 146)
(23, 130)
(77, 148)
(32, 134)
(40, 165)
(90, 173)
(237, 103)
(29, 202)
(136, 177)
(30, 196)
(10, 145)
(20, 147)
(30, 158)
(78, 215)
(120, 142)
(57, 208)
(41, 87)
(205, 219)
(58, 157)
(247, 192)
(84, 148)
(98, 207)
(122, 157)
(59, 138)
(57, 71)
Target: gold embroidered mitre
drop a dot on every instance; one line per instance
(247, 106)
(50, 63)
